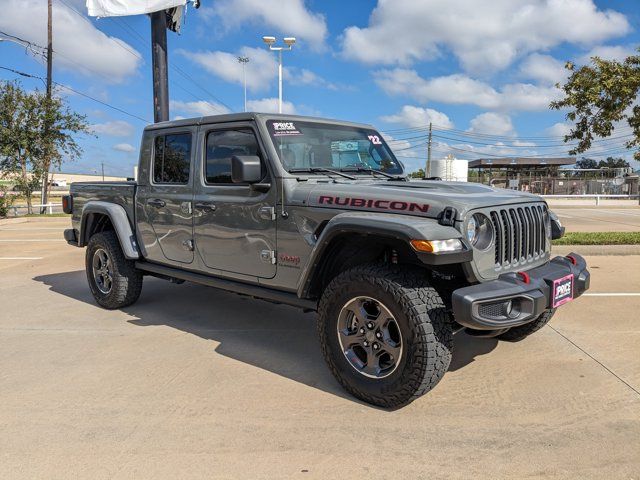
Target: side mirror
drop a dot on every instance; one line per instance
(246, 169)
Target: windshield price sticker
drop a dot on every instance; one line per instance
(285, 128)
(375, 139)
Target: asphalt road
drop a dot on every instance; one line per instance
(196, 383)
(599, 219)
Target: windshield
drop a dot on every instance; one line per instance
(310, 145)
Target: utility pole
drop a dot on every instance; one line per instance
(427, 173)
(47, 152)
(102, 164)
(159, 66)
(244, 61)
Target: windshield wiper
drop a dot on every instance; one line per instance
(321, 170)
(372, 172)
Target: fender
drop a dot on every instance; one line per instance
(120, 222)
(394, 226)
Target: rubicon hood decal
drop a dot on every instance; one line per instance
(372, 203)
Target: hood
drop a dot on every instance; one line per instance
(422, 198)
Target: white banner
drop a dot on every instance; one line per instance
(116, 8)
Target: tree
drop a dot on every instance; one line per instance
(587, 163)
(418, 174)
(611, 162)
(599, 95)
(36, 133)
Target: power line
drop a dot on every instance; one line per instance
(28, 75)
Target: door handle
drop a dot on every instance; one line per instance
(156, 202)
(205, 206)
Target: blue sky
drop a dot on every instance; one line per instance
(482, 76)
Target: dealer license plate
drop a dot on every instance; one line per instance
(562, 291)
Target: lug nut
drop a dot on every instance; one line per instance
(378, 335)
(362, 330)
(376, 346)
(366, 344)
(370, 325)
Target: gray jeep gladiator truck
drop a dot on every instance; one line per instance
(319, 214)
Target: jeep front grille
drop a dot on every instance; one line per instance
(519, 233)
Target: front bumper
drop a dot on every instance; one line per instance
(517, 298)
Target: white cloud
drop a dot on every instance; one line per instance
(608, 52)
(303, 76)
(270, 105)
(124, 147)
(544, 69)
(559, 129)
(78, 45)
(462, 90)
(492, 123)
(200, 108)
(290, 18)
(412, 116)
(116, 128)
(484, 38)
(261, 69)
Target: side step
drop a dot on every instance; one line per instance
(255, 291)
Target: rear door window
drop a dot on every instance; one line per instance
(172, 158)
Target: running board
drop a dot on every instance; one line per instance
(255, 291)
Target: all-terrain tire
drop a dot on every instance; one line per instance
(515, 334)
(421, 317)
(126, 280)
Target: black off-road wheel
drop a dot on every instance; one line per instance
(515, 334)
(385, 333)
(114, 281)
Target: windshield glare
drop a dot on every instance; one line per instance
(308, 145)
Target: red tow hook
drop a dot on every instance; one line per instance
(524, 276)
(572, 259)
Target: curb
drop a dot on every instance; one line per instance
(596, 249)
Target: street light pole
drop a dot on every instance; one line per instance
(289, 42)
(244, 61)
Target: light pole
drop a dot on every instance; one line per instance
(270, 41)
(244, 61)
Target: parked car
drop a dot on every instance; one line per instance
(319, 214)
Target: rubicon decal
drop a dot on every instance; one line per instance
(373, 203)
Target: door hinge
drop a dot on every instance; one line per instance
(268, 213)
(268, 256)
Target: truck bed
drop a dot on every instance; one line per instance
(121, 193)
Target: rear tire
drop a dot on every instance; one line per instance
(414, 348)
(515, 334)
(114, 281)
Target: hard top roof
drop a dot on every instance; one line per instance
(248, 116)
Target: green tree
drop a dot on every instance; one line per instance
(36, 133)
(598, 95)
(587, 163)
(418, 174)
(611, 162)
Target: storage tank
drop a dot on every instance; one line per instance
(450, 169)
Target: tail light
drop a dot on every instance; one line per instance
(67, 204)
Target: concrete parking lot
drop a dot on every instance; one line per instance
(191, 382)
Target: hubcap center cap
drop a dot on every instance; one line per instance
(370, 336)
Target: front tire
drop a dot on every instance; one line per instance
(393, 308)
(515, 334)
(114, 281)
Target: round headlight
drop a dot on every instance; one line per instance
(480, 231)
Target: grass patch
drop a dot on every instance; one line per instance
(599, 238)
(48, 215)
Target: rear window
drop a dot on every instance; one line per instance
(172, 158)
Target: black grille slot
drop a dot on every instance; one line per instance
(520, 233)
